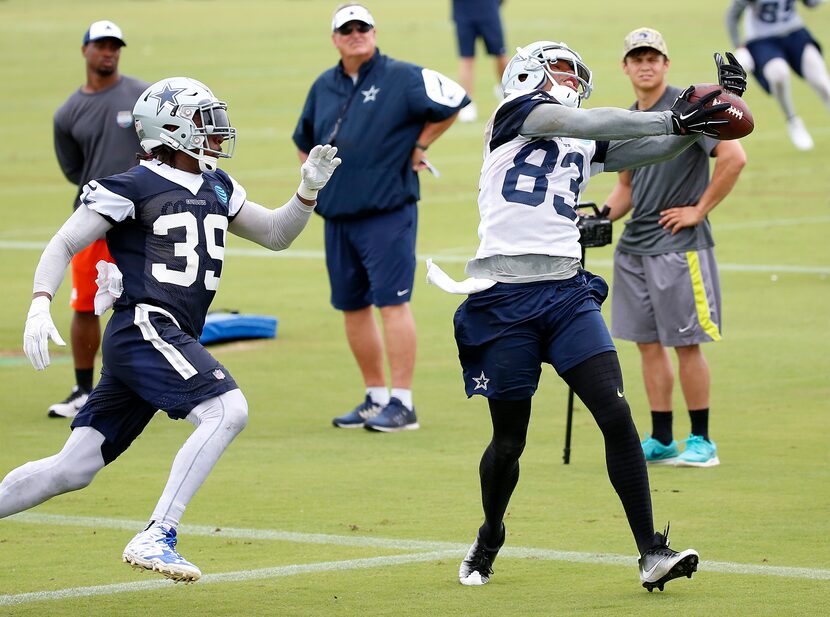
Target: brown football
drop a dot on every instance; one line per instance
(738, 114)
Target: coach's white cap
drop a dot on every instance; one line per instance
(104, 30)
(351, 12)
(645, 37)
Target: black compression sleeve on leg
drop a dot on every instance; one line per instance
(598, 382)
(499, 467)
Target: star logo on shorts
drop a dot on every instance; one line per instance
(370, 94)
(481, 382)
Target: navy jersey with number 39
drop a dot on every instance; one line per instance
(169, 234)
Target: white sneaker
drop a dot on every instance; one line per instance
(69, 408)
(798, 134)
(155, 549)
(468, 114)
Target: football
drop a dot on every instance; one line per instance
(738, 114)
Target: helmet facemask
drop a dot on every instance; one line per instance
(208, 119)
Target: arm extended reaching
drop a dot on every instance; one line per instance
(277, 229)
(685, 117)
(597, 123)
(273, 229)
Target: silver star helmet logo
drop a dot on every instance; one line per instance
(166, 95)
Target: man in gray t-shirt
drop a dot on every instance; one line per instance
(94, 138)
(666, 291)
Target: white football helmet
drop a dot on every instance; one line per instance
(180, 112)
(530, 67)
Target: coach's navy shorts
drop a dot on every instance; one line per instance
(468, 29)
(790, 47)
(505, 333)
(371, 261)
(149, 364)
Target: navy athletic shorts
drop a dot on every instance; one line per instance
(790, 48)
(371, 261)
(149, 364)
(505, 333)
(467, 30)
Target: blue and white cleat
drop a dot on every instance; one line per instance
(657, 453)
(698, 453)
(155, 549)
(357, 417)
(393, 418)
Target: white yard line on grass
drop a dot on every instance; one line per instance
(433, 552)
(227, 577)
(450, 258)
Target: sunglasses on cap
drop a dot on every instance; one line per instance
(347, 29)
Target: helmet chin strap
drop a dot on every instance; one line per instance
(564, 95)
(207, 163)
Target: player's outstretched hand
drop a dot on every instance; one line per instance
(317, 169)
(39, 329)
(731, 75)
(694, 117)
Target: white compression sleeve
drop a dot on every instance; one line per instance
(273, 229)
(78, 232)
(69, 470)
(218, 420)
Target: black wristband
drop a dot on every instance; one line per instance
(421, 146)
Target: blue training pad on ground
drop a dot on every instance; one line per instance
(221, 327)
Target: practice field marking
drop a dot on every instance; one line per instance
(305, 254)
(433, 551)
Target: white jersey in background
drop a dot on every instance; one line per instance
(770, 18)
(529, 187)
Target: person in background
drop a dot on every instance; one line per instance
(382, 114)
(94, 137)
(666, 291)
(775, 41)
(476, 19)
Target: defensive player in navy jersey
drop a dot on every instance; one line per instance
(529, 302)
(165, 222)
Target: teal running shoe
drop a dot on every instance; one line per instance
(658, 453)
(698, 453)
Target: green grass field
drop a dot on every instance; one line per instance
(301, 519)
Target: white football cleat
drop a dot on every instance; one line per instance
(155, 549)
(798, 134)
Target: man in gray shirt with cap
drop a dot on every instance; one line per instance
(666, 290)
(94, 138)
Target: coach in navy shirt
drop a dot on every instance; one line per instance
(382, 114)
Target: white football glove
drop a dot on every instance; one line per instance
(110, 286)
(316, 171)
(39, 329)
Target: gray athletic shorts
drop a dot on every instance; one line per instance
(673, 299)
